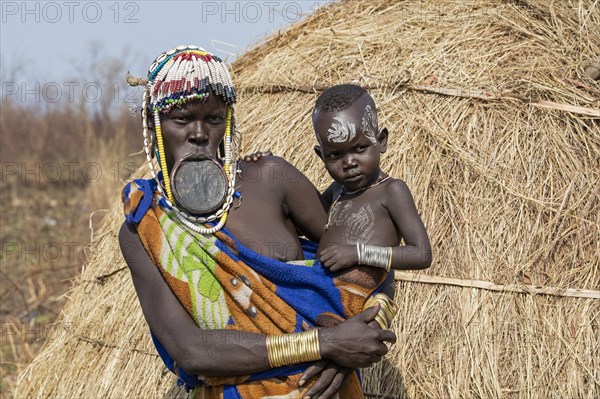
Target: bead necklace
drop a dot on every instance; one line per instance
(383, 177)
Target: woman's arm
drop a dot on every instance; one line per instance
(352, 343)
(304, 202)
(327, 196)
(197, 351)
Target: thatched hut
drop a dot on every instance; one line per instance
(494, 126)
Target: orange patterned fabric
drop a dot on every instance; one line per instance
(223, 285)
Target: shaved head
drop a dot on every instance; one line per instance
(348, 110)
(338, 97)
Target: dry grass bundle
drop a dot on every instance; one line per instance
(503, 162)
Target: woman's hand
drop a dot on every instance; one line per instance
(331, 376)
(354, 343)
(331, 379)
(255, 156)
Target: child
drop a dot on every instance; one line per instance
(370, 212)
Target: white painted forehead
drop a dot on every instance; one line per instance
(341, 130)
(369, 124)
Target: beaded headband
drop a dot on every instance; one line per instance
(187, 73)
(179, 76)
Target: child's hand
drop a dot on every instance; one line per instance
(338, 257)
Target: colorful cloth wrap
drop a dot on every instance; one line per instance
(225, 286)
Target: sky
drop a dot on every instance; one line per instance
(45, 46)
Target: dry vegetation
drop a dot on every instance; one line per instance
(504, 170)
(60, 169)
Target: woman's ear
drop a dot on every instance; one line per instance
(151, 132)
(152, 142)
(382, 139)
(150, 120)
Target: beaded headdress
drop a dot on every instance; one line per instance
(179, 76)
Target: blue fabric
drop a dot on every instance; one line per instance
(231, 392)
(297, 285)
(187, 380)
(309, 248)
(308, 289)
(148, 187)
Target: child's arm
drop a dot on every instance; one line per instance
(416, 251)
(415, 254)
(328, 195)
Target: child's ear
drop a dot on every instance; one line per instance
(382, 139)
(318, 151)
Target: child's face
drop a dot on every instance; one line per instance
(194, 129)
(350, 145)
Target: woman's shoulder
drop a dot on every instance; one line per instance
(269, 168)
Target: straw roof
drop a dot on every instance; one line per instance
(495, 127)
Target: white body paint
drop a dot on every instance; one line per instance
(341, 131)
(369, 124)
(358, 226)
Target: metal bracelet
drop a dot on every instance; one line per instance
(286, 349)
(372, 255)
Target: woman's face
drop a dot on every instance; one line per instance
(194, 129)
